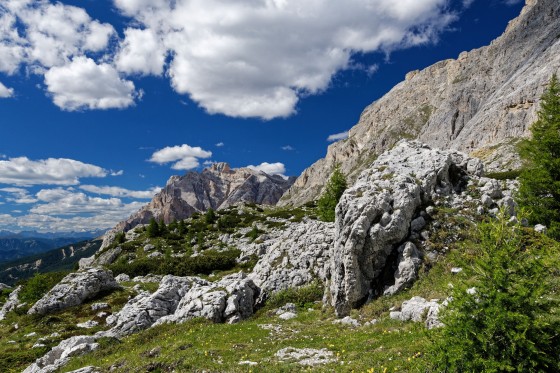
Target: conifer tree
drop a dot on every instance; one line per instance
(326, 205)
(153, 228)
(539, 190)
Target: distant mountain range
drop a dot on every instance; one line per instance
(60, 259)
(20, 245)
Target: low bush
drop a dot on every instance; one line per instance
(302, 297)
(39, 285)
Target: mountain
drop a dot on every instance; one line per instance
(217, 187)
(20, 245)
(480, 103)
(80, 236)
(60, 259)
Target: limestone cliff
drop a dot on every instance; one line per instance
(216, 187)
(480, 103)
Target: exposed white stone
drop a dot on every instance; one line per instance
(347, 321)
(59, 355)
(306, 356)
(539, 228)
(74, 289)
(12, 303)
(88, 324)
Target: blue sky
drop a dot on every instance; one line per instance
(102, 101)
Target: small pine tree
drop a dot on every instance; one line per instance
(153, 228)
(162, 227)
(182, 227)
(508, 320)
(326, 205)
(539, 190)
(210, 216)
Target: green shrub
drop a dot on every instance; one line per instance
(511, 321)
(302, 297)
(39, 285)
(505, 175)
(120, 237)
(326, 205)
(153, 228)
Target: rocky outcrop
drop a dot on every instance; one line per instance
(179, 299)
(145, 309)
(74, 289)
(480, 103)
(11, 304)
(60, 355)
(379, 213)
(418, 309)
(230, 300)
(293, 257)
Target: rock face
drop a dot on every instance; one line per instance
(59, 355)
(145, 309)
(293, 257)
(216, 187)
(11, 304)
(479, 103)
(179, 299)
(376, 216)
(74, 289)
(229, 300)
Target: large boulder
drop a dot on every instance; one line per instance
(74, 289)
(60, 355)
(373, 218)
(231, 300)
(293, 257)
(145, 309)
(11, 304)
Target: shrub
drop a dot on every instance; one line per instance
(539, 190)
(153, 228)
(510, 322)
(302, 297)
(326, 205)
(39, 285)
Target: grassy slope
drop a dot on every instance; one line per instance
(201, 346)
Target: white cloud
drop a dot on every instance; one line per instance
(65, 202)
(256, 59)
(184, 157)
(121, 192)
(220, 144)
(288, 148)
(467, 3)
(117, 173)
(85, 84)
(54, 171)
(141, 53)
(511, 2)
(19, 195)
(5, 92)
(270, 168)
(338, 136)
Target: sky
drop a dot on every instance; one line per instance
(101, 101)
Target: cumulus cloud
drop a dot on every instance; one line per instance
(338, 136)
(5, 92)
(142, 52)
(121, 192)
(256, 59)
(19, 195)
(85, 84)
(288, 148)
(220, 144)
(270, 168)
(54, 171)
(183, 157)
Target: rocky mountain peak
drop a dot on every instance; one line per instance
(220, 167)
(480, 103)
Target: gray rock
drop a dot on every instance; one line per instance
(306, 356)
(492, 188)
(149, 247)
(74, 289)
(88, 324)
(407, 271)
(398, 183)
(347, 321)
(288, 307)
(287, 315)
(88, 369)
(59, 356)
(11, 304)
(293, 257)
(230, 300)
(148, 279)
(414, 309)
(155, 254)
(509, 205)
(99, 306)
(145, 309)
(417, 224)
(4, 287)
(456, 270)
(539, 228)
(123, 277)
(477, 104)
(487, 200)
